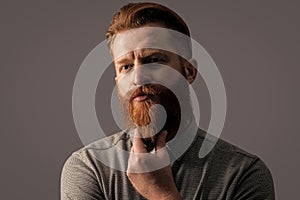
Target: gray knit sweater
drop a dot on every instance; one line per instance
(227, 172)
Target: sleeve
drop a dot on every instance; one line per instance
(78, 181)
(255, 183)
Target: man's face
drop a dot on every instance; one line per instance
(145, 77)
(134, 49)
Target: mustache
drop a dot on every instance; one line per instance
(150, 90)
(138, 114)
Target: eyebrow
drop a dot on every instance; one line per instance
(122, 60)
(152, 52)
(146, 53)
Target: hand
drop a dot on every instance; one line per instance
(151, 174)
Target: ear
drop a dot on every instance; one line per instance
(190, 69)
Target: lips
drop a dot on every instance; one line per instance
(144, 93)
(141, 97)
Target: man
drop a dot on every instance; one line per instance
(151, 49)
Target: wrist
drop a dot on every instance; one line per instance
(170, 195)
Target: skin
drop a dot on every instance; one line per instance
(157, 184)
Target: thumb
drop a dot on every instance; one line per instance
(161, 140)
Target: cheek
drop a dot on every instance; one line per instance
(178, 65)
(124, 83)
(167, 75)
(160, 74)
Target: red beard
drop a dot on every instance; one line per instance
(137, 114)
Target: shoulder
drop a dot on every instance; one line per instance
(84, 169)
(246, 173)
(244, 161)
(92, 152)
(220, 150)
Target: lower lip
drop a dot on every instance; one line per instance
(141, 98)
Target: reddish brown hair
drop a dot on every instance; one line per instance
(135, 15)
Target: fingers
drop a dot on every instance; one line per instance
(141, 161)
(161, 140)
(138, 144)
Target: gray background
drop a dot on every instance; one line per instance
(254, 43)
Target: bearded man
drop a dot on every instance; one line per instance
(151, 49)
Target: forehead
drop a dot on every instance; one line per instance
(145, 38)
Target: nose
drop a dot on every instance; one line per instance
(141, 76)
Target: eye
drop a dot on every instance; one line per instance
(125, 68)
(154, 59)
